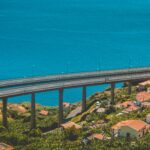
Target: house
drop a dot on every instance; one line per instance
(127, 104)
(130, 128)
(148, 118)
(145, 83)
(44, 112)
(4, 146)
(17, 107)
(69, 125)
(101, 110)
(130, 109)
(142, 97)
(96, 136)
(65, 104)
(146, 104)
(98, 103)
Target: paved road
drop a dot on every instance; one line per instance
(74, 112)
(67, 77)
(71, 84)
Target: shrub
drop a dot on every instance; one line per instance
(13, 113)
(71, 134)
(110, 110)
(2, 128)
(35, 133)
(26, 117)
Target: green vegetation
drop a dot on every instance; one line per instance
(22, 138)
(69, 139)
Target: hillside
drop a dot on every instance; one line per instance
(97, 120)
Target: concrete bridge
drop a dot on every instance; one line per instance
(11, 88)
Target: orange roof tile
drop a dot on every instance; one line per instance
(18, 107)
(44, 112)
(127, 104)
(118, 125)
(4, 146)
(143, 96)
(70, 125)
(135, 124)
(65, 104)
(132, 108)
(145, 83)
(96, 136)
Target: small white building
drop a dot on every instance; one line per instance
(130, 128)
(148, 118)
(98, 103)
(101, 110)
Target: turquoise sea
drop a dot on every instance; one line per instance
(40, 37)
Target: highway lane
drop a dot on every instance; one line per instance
(67, 77)
(71, 84)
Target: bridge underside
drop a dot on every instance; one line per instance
(49, 83)
(61, 94)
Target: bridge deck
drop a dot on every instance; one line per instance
(71, 84)
(66, 77)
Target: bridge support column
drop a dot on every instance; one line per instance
(4, 112)
(33, 112)
(84, 99)
(112, 93)
(129, 88)
(61, 93)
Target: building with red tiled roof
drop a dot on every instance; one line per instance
(96, 136)
(132, 128)
(65, 104)
(143, 97)
(17, 107)
(130, 109)
(4, 146)
(70, 125)
(44, 112)
(127, 104)
(145, 83)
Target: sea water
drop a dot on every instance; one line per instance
(41, 37)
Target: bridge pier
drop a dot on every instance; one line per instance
(33, 112)
(112, 93)
(4, 112)
(83, 98)
(60, 119)
(129, 88)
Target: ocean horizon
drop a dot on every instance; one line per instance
(59, 37)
